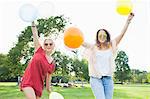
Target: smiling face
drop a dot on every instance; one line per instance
(48, 45)
(102, 36)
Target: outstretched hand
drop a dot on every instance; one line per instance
(49, 89)
(131, 15)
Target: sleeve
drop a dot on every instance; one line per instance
(51, 67)
(87, 52)
(39, 50)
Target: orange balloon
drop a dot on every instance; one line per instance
(73, 37)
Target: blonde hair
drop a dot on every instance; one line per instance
(47, 38)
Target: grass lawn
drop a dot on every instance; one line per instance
(11, 91)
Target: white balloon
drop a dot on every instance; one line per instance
(55, 95)
(46, 9)
(28, 12)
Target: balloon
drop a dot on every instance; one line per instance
(124, 7)
(28, 12)
(55, 95)
(46, 9)
(123, 0)
(73, 37)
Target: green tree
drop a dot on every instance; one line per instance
(123, 71)
(63, 66)
(62, 63)
(85, 69)
(4, 69)
(142, 77)
(135, 73)
(139, 76)
(80, 68)
(148, 77)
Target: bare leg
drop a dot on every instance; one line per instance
(29, 93)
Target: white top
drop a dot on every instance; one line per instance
(100, 63)
(103, 63)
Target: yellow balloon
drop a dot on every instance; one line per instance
(124, 1)
(124, 8)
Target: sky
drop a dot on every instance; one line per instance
(88, 16)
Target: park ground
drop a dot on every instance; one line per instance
(131, 91)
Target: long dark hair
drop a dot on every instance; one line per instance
(98, 43)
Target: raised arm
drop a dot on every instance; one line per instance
(118, 38)
(35, 36)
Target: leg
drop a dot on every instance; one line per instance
(29, 93)
(108, 87)
(97, 88)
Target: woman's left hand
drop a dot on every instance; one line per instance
(49, 89)
(131, 15)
